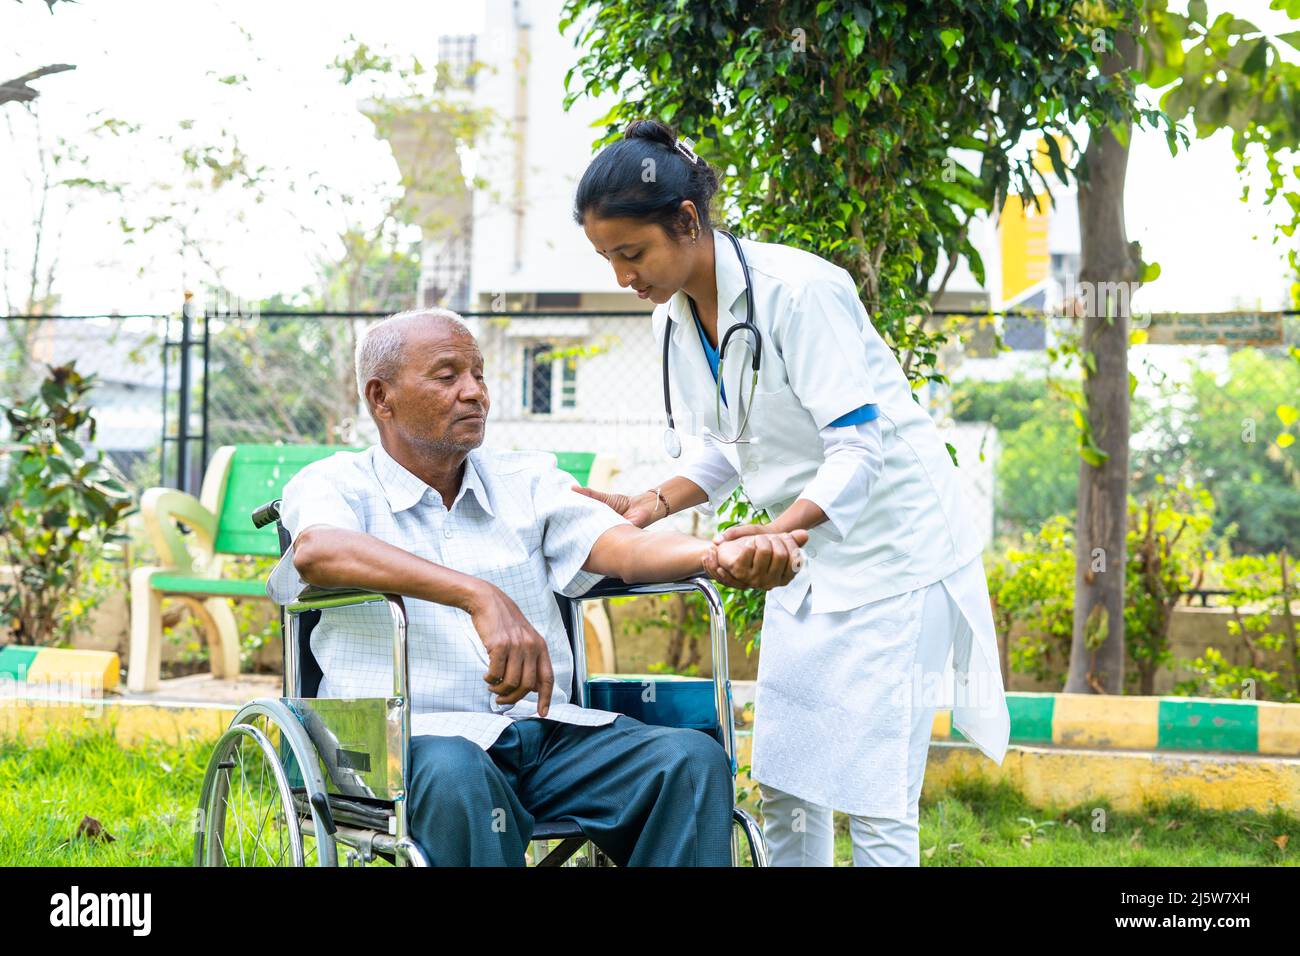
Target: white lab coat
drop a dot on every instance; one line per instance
(821, 359)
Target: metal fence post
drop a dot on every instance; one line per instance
(183, 415)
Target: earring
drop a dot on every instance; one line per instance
(694, 235)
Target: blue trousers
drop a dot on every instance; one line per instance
(647, 796)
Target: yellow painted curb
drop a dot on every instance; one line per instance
(942, 727)
(1096, 720)
(1279, 728)
(132, 723)
(1056, 775)
(93, 670)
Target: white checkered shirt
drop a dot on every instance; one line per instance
(515, 522)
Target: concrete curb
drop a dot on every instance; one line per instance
(132, 723)
(1066, 776)
(1147, 723)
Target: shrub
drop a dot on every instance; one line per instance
(1261, 588)
(60, 507)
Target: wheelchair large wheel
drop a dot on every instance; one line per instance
(249, 818)
(262, 796)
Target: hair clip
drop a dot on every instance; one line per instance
(684, 146)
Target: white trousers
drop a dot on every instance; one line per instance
(799, 833)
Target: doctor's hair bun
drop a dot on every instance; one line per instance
(652, 130)
(646, 175)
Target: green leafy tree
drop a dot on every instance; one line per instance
(1225, 73)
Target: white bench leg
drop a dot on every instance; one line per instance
(146, 633)
(223, 638)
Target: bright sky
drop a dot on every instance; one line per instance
(1215, 252)
(155, 63)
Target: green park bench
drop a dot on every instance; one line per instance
(239, 478)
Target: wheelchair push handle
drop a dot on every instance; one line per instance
(267, 514)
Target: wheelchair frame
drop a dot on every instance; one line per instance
(357, 796)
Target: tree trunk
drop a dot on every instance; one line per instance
(1109, 269)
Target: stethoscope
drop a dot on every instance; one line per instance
(672, 442)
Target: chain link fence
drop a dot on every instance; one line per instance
(558, 381)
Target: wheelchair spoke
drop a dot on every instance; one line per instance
(255, 818)
(251, 803)
(238, 811)
(219, 833)
(261, 783)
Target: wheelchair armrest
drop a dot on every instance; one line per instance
(316, 599)
(616, 587)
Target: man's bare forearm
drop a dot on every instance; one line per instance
(340, 558)
(639, 557)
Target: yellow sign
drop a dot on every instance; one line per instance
(1025, 259)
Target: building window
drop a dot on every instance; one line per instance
(569, 382)
(538, 379)
(456, 55)
(550, 381)
(445, 277)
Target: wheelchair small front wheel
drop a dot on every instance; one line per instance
(247, 813)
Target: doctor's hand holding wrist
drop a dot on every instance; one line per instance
(800, 516)
(763, 560)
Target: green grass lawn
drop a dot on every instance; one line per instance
(144, 797)
(979, 823)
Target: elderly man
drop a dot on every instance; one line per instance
(478, 541)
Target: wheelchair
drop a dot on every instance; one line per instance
(300, 780)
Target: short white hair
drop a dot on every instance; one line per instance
(379, 349)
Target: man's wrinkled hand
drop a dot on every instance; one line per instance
(756, 560)
(518, 659)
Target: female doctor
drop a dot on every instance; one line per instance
(769, 357)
